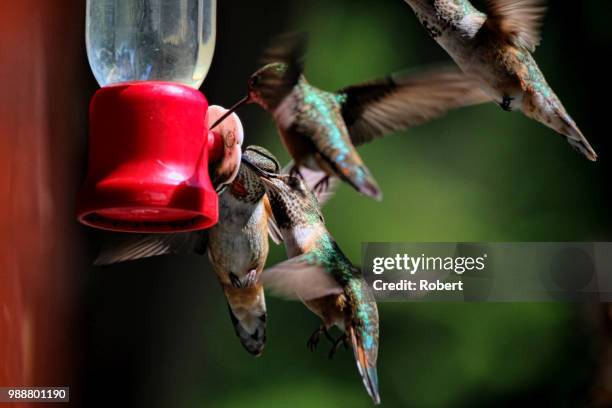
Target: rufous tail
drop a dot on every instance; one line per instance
(247, 308)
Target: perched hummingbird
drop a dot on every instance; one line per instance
(495, 48)
(321, 276)
(237, 248)
(321, 129)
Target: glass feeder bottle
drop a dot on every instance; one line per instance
(148, 140)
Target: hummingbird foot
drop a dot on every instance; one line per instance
(506, 103)
(247, 281)
(343, 339)
(322, 185)
(313, 341)
(250, 279)
(295, 172)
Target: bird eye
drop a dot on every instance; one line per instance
(254, 81)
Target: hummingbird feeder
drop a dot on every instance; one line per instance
(149, 145)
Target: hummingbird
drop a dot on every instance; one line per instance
(237, 248)
(321, 276)
(496, 49)
(320, 129)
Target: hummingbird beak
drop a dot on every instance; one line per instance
(231, 110)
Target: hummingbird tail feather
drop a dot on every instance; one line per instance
(367, 368)
(247, 309)
(370, 188)
(575, 137)
(362, 180)
(351, 170)
(549, 111)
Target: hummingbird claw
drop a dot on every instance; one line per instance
(250, 279)
(340, 340)
(322, 185)
(506, 103)
(235, 280)
(247, 281)
(329, 337)
(295, 172)
(313, 341)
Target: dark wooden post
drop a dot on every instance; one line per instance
(43, 104)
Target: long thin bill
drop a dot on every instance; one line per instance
(231, 110)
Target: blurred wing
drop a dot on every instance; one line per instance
(518, 20)
(289, 48)
(118, 247)
(312, 178)
(403, 100)
(299, 279)
(273, 229)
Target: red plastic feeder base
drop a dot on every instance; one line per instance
(148, 160)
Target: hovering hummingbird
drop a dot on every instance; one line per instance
(321, 276)
(321, 129)
(495, 48)
(237, 248)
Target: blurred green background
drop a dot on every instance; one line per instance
(160, 329)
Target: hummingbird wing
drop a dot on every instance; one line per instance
(517, 20)
(273, 229)
(396, 102)
(301, 279)
(288, 48)
(118, 247)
